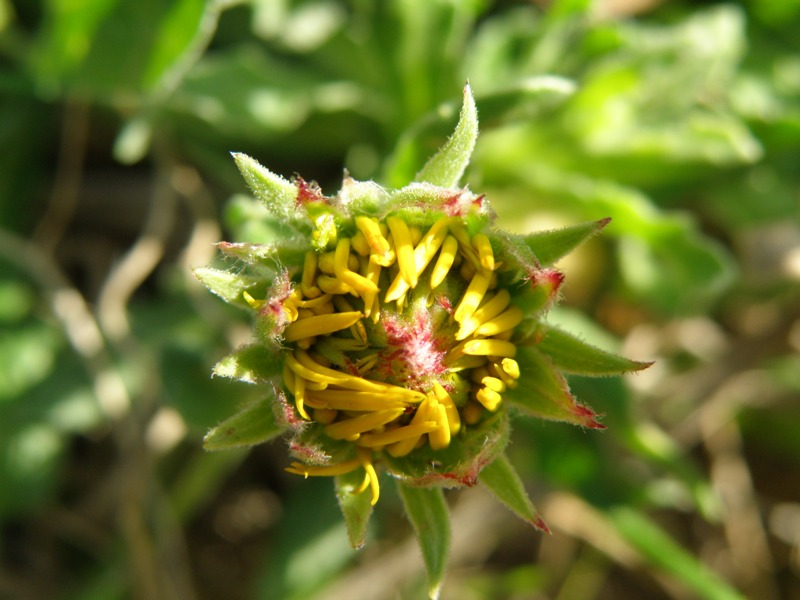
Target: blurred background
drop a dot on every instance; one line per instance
(680, 120)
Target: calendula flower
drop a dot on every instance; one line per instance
(393, 328)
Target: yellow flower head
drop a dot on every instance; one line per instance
(394, 327)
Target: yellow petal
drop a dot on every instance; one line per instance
(320, 325)
(473, 296)
(501, 323)
(447, 256)
(481, 243)
(404, 249)
(349, 428)
(490, 347)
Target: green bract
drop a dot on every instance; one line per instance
(393, 329)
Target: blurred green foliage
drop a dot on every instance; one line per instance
(681, 123)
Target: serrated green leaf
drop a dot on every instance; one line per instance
(356, 507)
(549, 246)
(251, 364)
(427, 510)
(254, 424)
(502, 480)
(543, 392)
(572, 355)
(446, 167)
(277, 194)
(226, 284)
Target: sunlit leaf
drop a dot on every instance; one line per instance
(550, 245)
(543, 392)
(228, 286)
(252, 364)
(502, 480)
(445, 168)
(572, 355)
(427, 510)
(254, 424)
(277, 194)
(356, 507)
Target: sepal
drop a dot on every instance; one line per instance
(278, 195)
(551, 245)
(572, 355)
(446, 167)
(228, 285)
(427, 510)
(255, 424)
(543, 392)
(251, 364)
(502, 480)
(356, 506)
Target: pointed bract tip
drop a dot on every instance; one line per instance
(587, 417)
(640, 365)
(539, 524)
(603, 222)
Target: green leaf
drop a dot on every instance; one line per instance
(251, 364)
(549, 246)
(277, 194)
(664, 553)
(543, 392)
(225, 284)
(572, 355)
(181, 28)
(109, 47)
(502, 480)
(356, 507)
(254, 424)
(524, 99)
(427, 510)
(446, 167)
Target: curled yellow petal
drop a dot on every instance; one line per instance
(299, 397)
(481, 243)
(399, 434)
(488, 310)
(360, 244)
(380, 250)
(489, 398)
(301, 363)
(501, 323)
(256, 304)
(453, 418)
(357, 401)
(332, 285)
(440, 437)
(490, 347)
(423, 415)
(473, 296)
(354, 426)
(493, 383)
(347, 466)
(424, 252)
(320, 325)
(404, 249)
(511, 367)
(447, 256)
(365, 456)
(312, 370)
(347, 276)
